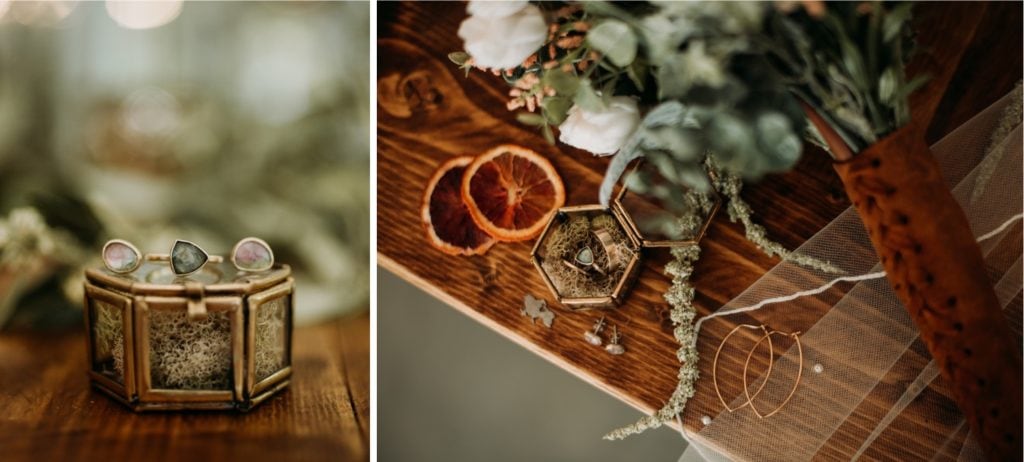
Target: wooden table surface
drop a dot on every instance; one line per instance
(48, 411)
(429, 111)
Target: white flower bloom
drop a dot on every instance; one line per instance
(502, 42)
(603, 132)
(495, 9)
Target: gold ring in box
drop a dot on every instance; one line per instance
(219, 338)
(636, 240)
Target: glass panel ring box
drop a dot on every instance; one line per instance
(589, 256)
(216, 339)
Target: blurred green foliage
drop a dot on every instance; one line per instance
(231, 120)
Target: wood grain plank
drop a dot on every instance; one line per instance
(428, 111)
(355, 346)
(49, 412)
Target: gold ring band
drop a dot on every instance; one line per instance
(611, 249)
(167, 257)
(583, 270)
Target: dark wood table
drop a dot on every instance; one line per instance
(48, 411)
(429, 111)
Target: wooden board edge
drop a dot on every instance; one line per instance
(389, 264)
(404, 273)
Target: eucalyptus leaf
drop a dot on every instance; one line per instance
(620, 161)
(563, 83)
(887, 86)
(661, 191)
(608, 89)
(853, 62)
(856, 122)
(603, 8)
(664, 224)
(693, 175)
(682, 144)
(695, 66)
(661, 36)
(733, 141)
(667, 113)
(671, 83)
(666, 166)
(556, 108)
(588, 99)
(529, 118)
(778, 140)
(909, 87)
(616, 40)
(459, 57)
(812, 135)
(637, 73)
(895, 20)
(635, 182)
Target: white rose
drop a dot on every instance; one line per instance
(503, 42)
(499, 9)
(602, 132)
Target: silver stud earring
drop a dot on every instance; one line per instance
(592, 336)
(615, 347)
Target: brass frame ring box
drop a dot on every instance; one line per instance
(218, 338)
(628, 249)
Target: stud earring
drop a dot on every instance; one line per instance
(615, 347)
(592, 336)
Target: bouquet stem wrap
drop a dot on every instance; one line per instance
(936, 268)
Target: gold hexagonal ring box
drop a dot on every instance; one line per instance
(589, 256)
(217, 339)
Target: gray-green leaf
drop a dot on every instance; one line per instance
(529, 118)
(556, 108)
(777, 138)
(459, 57)
(894, 20)
(563, 83)
(887, 86)
(588, 99)
(616, 40)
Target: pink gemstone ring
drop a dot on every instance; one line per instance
(253, 255)
(121, 256)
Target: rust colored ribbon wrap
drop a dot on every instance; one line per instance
(936, 268)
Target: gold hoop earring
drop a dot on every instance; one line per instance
(714, 366)
(796, 383)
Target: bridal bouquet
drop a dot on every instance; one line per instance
(673, 81)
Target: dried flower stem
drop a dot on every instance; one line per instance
(1010, 119)
(680, 296)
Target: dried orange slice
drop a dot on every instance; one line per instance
(511, 192)
(449, 226)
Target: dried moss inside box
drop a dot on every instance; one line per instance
(217, 339)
